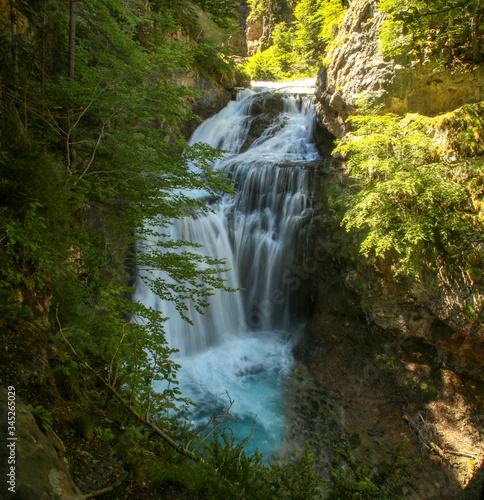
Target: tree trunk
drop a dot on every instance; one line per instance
(72, 37)
(476, 49)
(42, 58)
(71, 147)
(14, 41)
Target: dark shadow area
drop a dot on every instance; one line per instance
(372, 386)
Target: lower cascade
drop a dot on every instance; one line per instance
(241, 346)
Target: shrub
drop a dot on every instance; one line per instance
(414, 196)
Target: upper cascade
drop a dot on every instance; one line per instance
(259, 232)
(306, 86)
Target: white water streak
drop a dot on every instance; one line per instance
(237, 345)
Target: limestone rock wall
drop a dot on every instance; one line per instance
(253, 33)
(426, 310)
(376, 346)
(213, 98)
(432, 307)
(258, 31)
(402, 85)
(386, 351)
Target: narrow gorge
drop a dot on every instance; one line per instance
(239, 227)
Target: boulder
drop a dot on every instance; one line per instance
(269, 102)
(257, 127)
(39, 472)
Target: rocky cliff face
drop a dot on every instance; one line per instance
(371, 328)
(212, 99)
(253, 33)
(437, 300)
(389, 360)
(401, 85)
(259, 28)
(432, 307)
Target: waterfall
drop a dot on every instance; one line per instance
(242, 344)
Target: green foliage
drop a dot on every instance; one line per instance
(296, 480)
(427, 391)
(84, 423)
(298, 47)
(272, 64)
(316, 26)
(187, 475)
(41, 413)
(228, 472)
(217, 31)
(232, 465)
(220, 11)
(470, 313)
(216, 65)
(277, 62)
(34, 237)
(10, 309)
(464, 130)
(260, 8)
(360, 481)
(443, 30)
(105, 435)
(69, 375)
(270, 9)
(91, 166)
(413, 205)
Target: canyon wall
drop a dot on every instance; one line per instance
(432, 306)
(401, 85)
(374, 342)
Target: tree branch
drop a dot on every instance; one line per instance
(114, 355)
(447, 9)
(147, 423)
(89, 163)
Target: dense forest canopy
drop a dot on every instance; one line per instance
(446, 31)
(417, 195)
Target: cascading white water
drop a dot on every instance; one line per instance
(242, 344)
